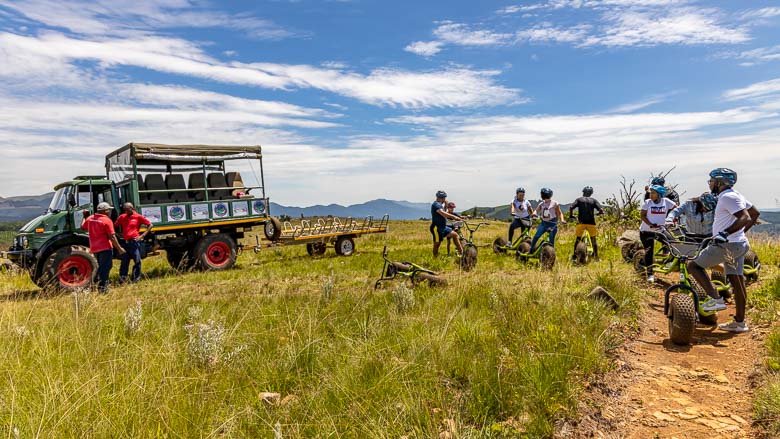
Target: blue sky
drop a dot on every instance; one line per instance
(355, 100)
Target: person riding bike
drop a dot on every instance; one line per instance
(654, 212)
(586, 219)
(550, 212)
(439, 228)
(734, 216)
(520, 209)
(698, 215)
(661, 181)
(454, 225)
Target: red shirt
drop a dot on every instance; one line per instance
(131, 225)
(100, 229)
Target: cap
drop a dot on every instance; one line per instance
(104, 206)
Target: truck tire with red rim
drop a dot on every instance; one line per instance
(345, 246)
(69, 268)
(272, 229)
(216, 252)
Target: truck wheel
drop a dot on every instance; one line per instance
(499, 246)
(682, 318)
(216, 252)
(179, 259)
(316, 248)
(345, 246)
(272, 229)
(547, 257)
(69, 268)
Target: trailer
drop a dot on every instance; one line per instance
(322, 233)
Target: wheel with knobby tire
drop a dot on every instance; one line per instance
(345, 246)
(720, 276)
(628, 250)
(711, 319)
(522, 251)
(682, 317)
(216, 252)
(469, 259)
(547, 257)
(751, 259)
(316, 248)
(432, 279)
(639, 262)
(272, 229)
(499, 246)
(581, 253)
(69, 268)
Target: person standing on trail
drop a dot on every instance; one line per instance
(520, 209)
(586, 218)
(698, 214)
(130, 223)
(439, 229)
(550, 212)
(654, 213)
(101, 241)
(734, 216)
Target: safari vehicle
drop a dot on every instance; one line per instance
(197, 223)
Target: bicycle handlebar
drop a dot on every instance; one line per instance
(672, 249)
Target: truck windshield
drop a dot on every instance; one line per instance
(60, 200)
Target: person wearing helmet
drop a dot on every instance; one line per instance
(102, 241)
(520, 209)
(550, 213)
(439, 229)
(670, 192)
(453, 225)
(734, 215)
(654, 212)
(697, 215)
(586, 218)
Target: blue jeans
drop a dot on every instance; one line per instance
(105, 261)
(132, 252)
(544, 226)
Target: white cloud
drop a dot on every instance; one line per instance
(424, 48)
(122, 17)
(769, 12)
(684, 26)
(548, 33)
(754, 56)
(753, 91)
(643, 103)
(462, 35)
(450, 87)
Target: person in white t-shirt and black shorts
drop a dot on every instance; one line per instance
(521, 211)
(654, 212)
(734, 216)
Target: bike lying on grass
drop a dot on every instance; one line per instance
(408, 270)
(469, 258)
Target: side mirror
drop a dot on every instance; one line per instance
(72, 200)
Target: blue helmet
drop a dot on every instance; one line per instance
(708, 201)
(546, 193)
(441, 194)
(661, 181)
(520, 189)
(660, 189)
(726, 175)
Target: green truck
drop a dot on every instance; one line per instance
(199, 209)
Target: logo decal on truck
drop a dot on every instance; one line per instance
(258, 206)
(220, 210)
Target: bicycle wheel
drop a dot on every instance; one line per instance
(547, 257)
(499, 246)
(581, 253)
(469, 259)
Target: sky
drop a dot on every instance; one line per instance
(354, 100)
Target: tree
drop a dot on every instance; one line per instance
(624, 207)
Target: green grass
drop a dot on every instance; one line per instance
(503, 351)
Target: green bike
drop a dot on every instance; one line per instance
(544, 253)
(583, 251)
(408, 270)
(500, 246)
(469, 258)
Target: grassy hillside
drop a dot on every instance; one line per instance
(503, 350)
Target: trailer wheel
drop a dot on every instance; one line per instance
(272, 229)
(179, 259)
(345, 246)
(316, 248)
(216, 252)
(69, 268)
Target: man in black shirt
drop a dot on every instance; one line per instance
(586, 218)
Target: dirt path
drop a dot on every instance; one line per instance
(661, 390)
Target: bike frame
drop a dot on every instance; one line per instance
(534, 254)
(685, 282)
(411, 274)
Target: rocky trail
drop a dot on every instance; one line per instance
(661, 390)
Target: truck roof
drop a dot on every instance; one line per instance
(187, 153)
(96, 179)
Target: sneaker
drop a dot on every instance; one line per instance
(734, 326)
(713, 305)
(651, 279)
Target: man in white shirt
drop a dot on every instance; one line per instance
(734, 215)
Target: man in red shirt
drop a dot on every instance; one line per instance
(101, 240)
(130, 222)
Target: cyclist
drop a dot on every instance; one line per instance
(654, 212)
(454, 225)
(698, 214)
(661, 181)
(439, 228)
(550, 212)
(586, 220)
(520, 209)
(734, 216)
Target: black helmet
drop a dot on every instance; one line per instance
(587, 191)
(661, 181)
(441, 194)
(546, 193)
(520, 189)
